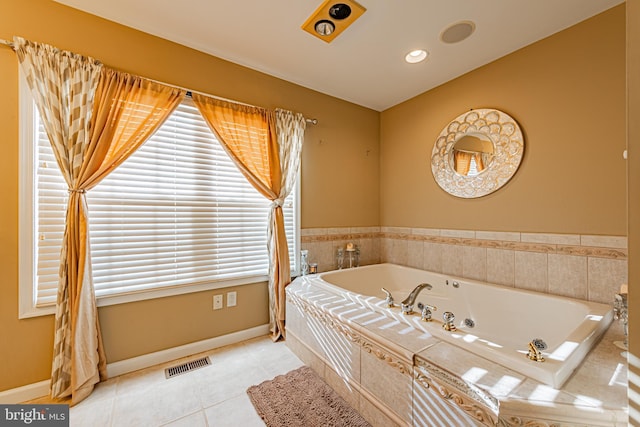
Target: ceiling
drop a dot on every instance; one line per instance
(365, 64)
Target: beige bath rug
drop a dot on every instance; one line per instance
(302, 398)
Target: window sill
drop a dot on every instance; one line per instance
(107, 300)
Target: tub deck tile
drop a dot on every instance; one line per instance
(392, 330)
(601, 379)
(478, 371)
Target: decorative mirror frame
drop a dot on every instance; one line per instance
(508, 144)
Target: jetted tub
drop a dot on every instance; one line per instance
(495, 322)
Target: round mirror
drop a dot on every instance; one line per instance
(477, 153)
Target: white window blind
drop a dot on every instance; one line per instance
(176, 213)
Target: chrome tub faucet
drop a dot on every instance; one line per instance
(407, 304)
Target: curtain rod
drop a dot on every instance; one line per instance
(189, 91)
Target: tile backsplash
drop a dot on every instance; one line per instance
(586, 267)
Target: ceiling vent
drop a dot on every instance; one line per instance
(332, 18)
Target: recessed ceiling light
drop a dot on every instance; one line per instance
(416, 56)
(324, 27)
(457, 32)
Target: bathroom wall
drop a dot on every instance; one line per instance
(633, 141)
(346, 139)
(567, 92)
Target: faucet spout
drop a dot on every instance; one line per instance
(407, 304)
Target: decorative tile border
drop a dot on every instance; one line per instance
(476, 403)
(314, 235)
(609, 247)
(596, 252)
(325, 318)
(386, 357)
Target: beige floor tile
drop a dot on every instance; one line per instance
(166, 402)
(197, 419)
(219, 386)
(94, 412)
(238, 411)
(214, 395)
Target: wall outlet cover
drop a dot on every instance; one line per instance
(232, 299)
(217, 302)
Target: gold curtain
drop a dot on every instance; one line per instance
(462, 162)
(94, 118)
(479, 158)
(128, 109)
(248, 134)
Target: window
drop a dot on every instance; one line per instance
(175, 217)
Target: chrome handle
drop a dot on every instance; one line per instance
(389, 299)
(426, 311)
(448, 318)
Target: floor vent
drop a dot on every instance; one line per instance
(187, 367)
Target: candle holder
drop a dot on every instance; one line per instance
(353, 255)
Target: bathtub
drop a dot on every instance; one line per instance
(494, 322)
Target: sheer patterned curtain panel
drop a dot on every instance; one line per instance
(249, 135)
(93, 121)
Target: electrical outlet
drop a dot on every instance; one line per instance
(217, 302)
(231, 299)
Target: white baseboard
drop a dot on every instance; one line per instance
(26, 392)
(151, 359)
(39, 389)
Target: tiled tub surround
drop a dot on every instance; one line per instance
(395, 373)
(323, 244)
(578, 266)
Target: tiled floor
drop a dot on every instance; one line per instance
(211, 396)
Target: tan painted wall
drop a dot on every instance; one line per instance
(633, 141)
(567, 92)
(147, 326)
(340, 141)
